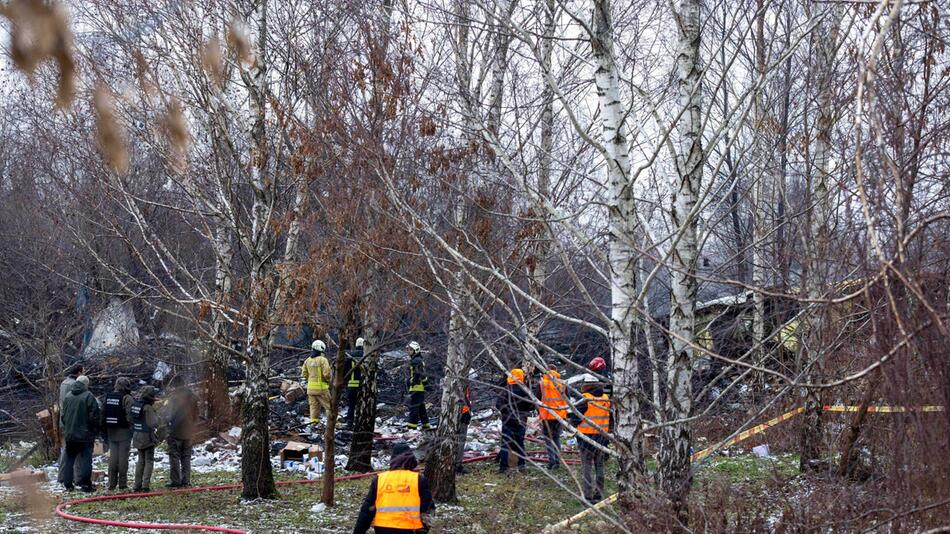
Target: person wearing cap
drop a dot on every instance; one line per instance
(117, 420)
(553, 394)
(514, 404)
(316, 372)
(595, 424)
(417, 388)
(145, 428)
(398, 500)
(465, 421)
(353, 374)
(80, 422)
(64, 387)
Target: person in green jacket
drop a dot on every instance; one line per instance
(80, 422)
(145, 423)
(71, 375)
(117, 420)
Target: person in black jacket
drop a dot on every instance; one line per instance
(514, 404)
(117, 420)
(417, 388)
(353, 373)
(402, 459)
(80, 421)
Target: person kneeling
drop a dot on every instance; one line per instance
(398, 500)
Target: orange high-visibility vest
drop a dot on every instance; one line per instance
(552, 395)
(597, 416)
(397, 500)
(467, 403)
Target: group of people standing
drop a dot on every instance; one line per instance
(316, 373)
(589, 412)
(125, 421)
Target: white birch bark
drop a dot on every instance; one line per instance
(440, 469)
(809, 357)
(256, 474)
(539, 250)
(622, 252)
(675, 472)
(216, 386)
(759, 230)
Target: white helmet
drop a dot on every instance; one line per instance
(318, 346)
(360, 342)
(414, 347)
(472, 375)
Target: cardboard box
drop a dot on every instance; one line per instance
(294, 393)
(297, 451)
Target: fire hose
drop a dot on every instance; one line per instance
(61, 508)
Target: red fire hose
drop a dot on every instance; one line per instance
(61, 508)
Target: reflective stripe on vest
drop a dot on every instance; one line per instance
(315, 378)
(421, 386)
(353, 383)
(397, 500)
(552, 395)
(139, 423)
(597, 416)
(114, 413)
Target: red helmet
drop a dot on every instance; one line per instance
(597, 364)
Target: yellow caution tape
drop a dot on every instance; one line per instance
(882, 409)
(745, 434)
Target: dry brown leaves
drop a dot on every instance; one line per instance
(38, 32)
(213, 61)
(109, 134)
(239, 42)
(176, 130)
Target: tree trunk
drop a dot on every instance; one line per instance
(440, 463)
(810, 364)
(256, 474)
(622, 255)
(257, 478)
(854, 430)
(339, 382)
(364, 418)
(675, 470)
(759, 229)
(217, 403)
(538, 250)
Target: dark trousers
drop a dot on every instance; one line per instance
(351, 395)
(78, 452)
(143, 468)
(417, 409)
(592, 467)
(62, 467)
(119, 463)
(512, 442)
(551, 429)
(179, 461)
